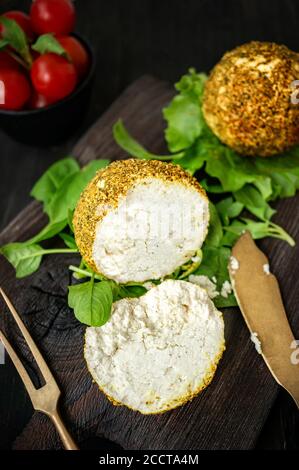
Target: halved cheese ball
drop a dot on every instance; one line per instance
(157, 351)
(139, 220)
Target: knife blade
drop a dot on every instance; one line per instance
(259, 298)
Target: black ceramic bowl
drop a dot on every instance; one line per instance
(56, 122)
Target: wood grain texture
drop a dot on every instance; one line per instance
(230, 413)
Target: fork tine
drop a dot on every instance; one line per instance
(36, 354)
(18, 365)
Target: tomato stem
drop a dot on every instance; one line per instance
(18, 59)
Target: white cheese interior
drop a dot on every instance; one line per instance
(156, 228)
(158, 350)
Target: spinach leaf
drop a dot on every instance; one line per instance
(91, 301)
(49, 231)
(133, 148)
(67, 195)
(25, 259)
(70, 217)
(123, 291)
(53, 179)
(69, 240)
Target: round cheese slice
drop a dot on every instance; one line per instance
(157, 351)
(139, 220)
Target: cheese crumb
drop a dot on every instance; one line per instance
(255, 339)
(234, 263)
(210, 285)
(226, 289)
(101, 184)
(148, 285)
(266, 269)
(205, 283)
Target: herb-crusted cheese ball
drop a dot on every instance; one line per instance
(139, 220)
(247, 99)
(157, 351)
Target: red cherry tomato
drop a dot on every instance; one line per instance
(77, 53)
(53, 16)
(22, 19)
(38, 101)
(53, 76)
(6, 61)
(14, 89)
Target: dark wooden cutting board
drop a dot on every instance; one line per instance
(230, 413)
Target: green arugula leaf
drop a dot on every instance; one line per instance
(183, 115)
(91, 301)
(225, 302)
(215, 264)
(215, 232)
(133, 148)
(193, 158)
(25, 259)
(258, 230)
(48, 43)
(53, 179)
(229, 209)
(184, 123)
(210, 187)
(192, 84)
(264, 185)
(16, 38)
(284, 185)
(254, 202)
(230, 169)
(286, 162)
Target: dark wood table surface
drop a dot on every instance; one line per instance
(132, 38)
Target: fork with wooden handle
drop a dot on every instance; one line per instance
(44, 399)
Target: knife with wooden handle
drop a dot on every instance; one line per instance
(258, 295)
